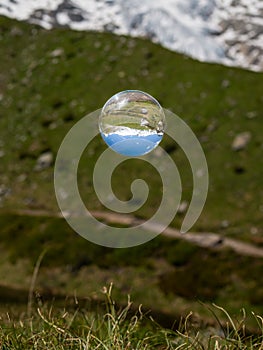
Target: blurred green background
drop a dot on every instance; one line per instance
(48, 81)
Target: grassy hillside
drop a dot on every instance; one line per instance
(51, 79)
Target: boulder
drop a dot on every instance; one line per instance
(44, 161)
(241, 140)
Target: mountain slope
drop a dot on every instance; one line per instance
(50, 79)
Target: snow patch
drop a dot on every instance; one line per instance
(224, 31)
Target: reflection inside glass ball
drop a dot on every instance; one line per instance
(132, 123)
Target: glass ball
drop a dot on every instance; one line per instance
(132, 123)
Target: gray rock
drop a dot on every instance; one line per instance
(182, 207)
(225, 83)
(241, 140)
(4, 191)
(21, 178)
(251, 115)
(224, 224)
(44, 161)
(16, 31)
(57, 52)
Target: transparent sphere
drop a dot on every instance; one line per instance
(132, 123)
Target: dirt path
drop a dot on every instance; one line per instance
(205, 239)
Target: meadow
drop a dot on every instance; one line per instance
(48, 81)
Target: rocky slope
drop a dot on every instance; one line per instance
(225, 31)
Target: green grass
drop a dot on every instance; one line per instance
(43, 96)
(123, 328)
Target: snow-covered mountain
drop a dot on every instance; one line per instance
(225, 31)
